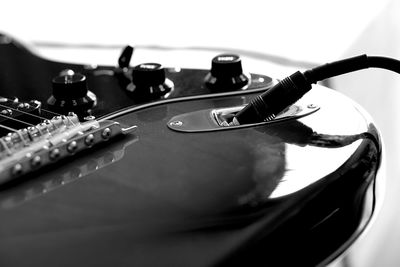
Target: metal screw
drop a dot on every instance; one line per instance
(7, 112)
(36, 161)
(106, 133)
(89, 140)
(17, 169)
(89, 118)
(72, 147)
(176, 123)
(311, 106)
(54, 154)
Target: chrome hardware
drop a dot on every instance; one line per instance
(312, 106)
(29, 149)
(106, 133)
(72, 147)
(16, 169)
(176, 123)
(34, 135)
(35, 161)
(223, 118)
(54, 154)
(89, 140)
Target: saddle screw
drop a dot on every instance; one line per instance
(54, 154)
(106, 133)
(72, 147)
(89, 140)
(17, 169)
(36, 161)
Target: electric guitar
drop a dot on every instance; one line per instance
(139, 166)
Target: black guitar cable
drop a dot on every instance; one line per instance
(286, 92)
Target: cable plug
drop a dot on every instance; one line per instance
(266, 106)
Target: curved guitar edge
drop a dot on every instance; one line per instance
(301, 221)
(294, 192)
(316, 235)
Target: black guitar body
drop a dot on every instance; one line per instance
(183, 190)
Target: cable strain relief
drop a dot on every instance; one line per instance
(299, 84)
(310, 77)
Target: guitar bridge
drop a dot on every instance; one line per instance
(28, 149)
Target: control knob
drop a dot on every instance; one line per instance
(71, 94)
(149, 82)
(226, 73)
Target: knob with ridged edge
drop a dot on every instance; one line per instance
(226, 73)
(149, 82)
(71, 94)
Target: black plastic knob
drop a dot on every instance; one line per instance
(149, 82)
(71, 94)
(69, 86)
(226, 73)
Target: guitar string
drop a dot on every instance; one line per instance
(42, 118)
(10, 129)
(7, 128)
(16, 120)
(53, 114)
(29, 124)
(32, 125)
(27, 113)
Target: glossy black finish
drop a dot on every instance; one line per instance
(295, 193)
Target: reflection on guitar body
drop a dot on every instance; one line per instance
(157, 194)
(14, 194)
